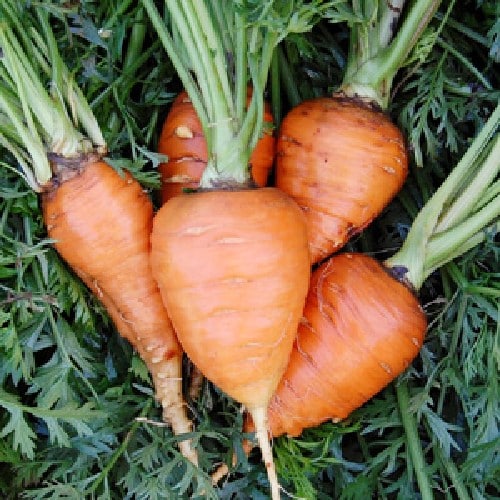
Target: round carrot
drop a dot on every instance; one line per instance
(342, 161)
(360, 329)
(341, 158)
(233, 270)
(183, 142)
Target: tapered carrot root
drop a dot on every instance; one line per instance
(182, 140)
(233, 269)
(342, 161)
(101, 223)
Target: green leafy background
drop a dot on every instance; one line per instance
(77, 414)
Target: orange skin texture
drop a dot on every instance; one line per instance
(360, 329)
(102, 222)
(342, 162)
(233, 269)
(187, 156)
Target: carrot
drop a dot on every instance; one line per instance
(100, 221)
(360, 329)
(182, 141)
(115, 265)
(231, 260)
(341, 158)
(342, 161)
(235, 320)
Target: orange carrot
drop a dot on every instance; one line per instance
(342, 161)
(183, 142)
(341, 158)
(360, 329)
(100, 220)
(233, 270)
(101, 223)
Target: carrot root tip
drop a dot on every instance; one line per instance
(259, 416)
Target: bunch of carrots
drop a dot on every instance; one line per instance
(241, 276)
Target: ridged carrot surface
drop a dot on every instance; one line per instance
(360, 329)
(182, 140)
(342, 161)
(233, 269)
(228, 270)
(101, 223)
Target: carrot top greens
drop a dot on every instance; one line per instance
(218, 49)
(455, 218)
(36, 120)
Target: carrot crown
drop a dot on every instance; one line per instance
(459, 214)
(378, 48)
(217, 46)
(36, 118)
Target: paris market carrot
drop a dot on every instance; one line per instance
(183, 142)
(341, 157)
(362, 323)
(232, 260)
(100, 221)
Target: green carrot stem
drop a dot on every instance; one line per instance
(473, 193)
(241, 67)
(426, 246)
(184, 74)
(454, 242)
(375, 55)
(413, 442)
(36, 120)
(62, 79)
(210, 65)
(201, 59)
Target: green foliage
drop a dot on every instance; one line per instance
(76, 407)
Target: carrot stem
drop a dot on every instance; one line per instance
(35, 118)
(376, 54)
(440, 232)
(183, 72)
(413, 442)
